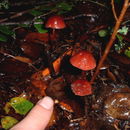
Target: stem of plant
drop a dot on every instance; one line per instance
(113, 10)
(112, 39)
(49, 59)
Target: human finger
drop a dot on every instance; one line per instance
(38, 117)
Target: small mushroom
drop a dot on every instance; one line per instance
(83, 60)
(81, 87)
(54, 22)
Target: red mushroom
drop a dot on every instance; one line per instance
(83, 60)
(55, 22)
(81, 88)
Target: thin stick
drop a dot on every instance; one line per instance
(19, 23)
(29, 3)
(112, 39)
(79, 16)
(100, 4)
(15, 15)
(30, 64)
(113, 10)
(24, 12)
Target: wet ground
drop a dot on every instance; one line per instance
(23, 61)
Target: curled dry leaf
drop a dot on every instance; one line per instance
(56, 63)
(73, 107)
(66, 106)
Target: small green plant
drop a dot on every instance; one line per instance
(123, 30)
(4, 4)
(127, 52)
(39, 27)
(102, 33)
(5, 32)
(120, 44)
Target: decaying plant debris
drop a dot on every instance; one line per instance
(91, 26)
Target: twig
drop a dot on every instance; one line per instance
(100, 4)
(112, 39)
(45, 14)
(29, 3)
(79, 16)
(24, 12)
(96, 29)
(113, 10)
(18, 23)
(125, 22)
(9, 55)
(15, 15)
(3, 13)
(77, 119)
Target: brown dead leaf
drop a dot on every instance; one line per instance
(33, 37)
(66, 106)
(40, 85)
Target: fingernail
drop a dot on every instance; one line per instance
(46, 102)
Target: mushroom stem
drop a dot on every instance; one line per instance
(49, 38)
(50, 64)
(48, 55)
(54, 22)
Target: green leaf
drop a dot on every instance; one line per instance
(4, 4)
(117, 48)
(35, 12)
(6, 30)
(7, 107)
(102, 33)
(123, 30)
(7, 122)
(3, 38)
(40, 27)
(21, 105)
(64, 6)
(127, 53)
(120, 38)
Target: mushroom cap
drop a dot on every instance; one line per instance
(81, 87)
(83, 60)
(55, 22)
